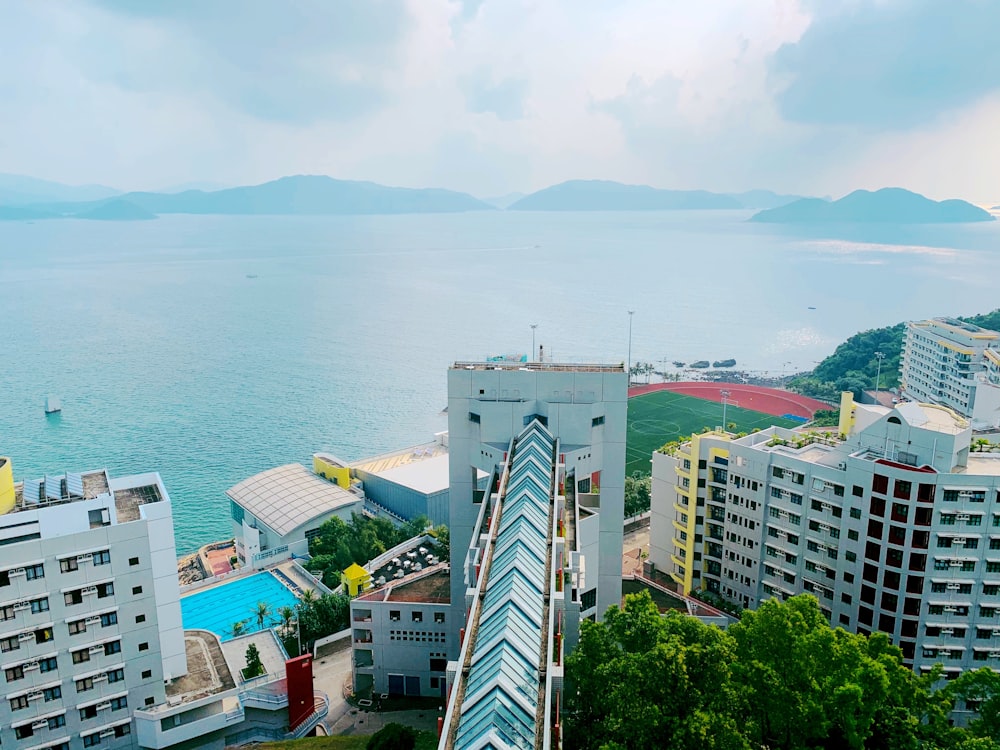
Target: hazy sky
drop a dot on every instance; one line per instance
(493, 96)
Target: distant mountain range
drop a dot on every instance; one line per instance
(604, 195)
(885, 206)
(300, 195)
(18, 190)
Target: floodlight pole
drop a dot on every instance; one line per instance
(725, 403)
(630, 314)
(878, 373)
(533, 327)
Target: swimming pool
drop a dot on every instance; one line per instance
(217, 608)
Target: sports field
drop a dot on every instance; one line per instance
(661, 416)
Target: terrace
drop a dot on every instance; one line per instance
(57, 490)
(128, 500)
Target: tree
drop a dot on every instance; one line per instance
(238, 628)
(323, 616)
(393, 737)
(980, 691)
(261, 614)
(254, 667)
(287, 615)
(637, 494)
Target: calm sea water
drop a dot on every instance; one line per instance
(167, 357)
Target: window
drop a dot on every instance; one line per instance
(113, 647)
(140, 618)
(10, 644)
(119, 703)
(109, 618)
(858, 491)
(149, 700)
(147, 673)
(69, 565)
(417, 616)
(116, 675)
(852, 534)
(16, 704)
(123, 729)
(31, 572)
(394, 615)
(596, 421)
(77, 626)
(88, 712)
(105, 590)
(102, 558)
(133, 561)
(14, 673)
(24, 731)
(48, 665)
(144, 646)
(92, 740)
(39, 605)
(81, 656)
(7, 612)
(73, 597)
(57, 721)
(439, 617)
(474, 418)
(136, 590)
(52, 694)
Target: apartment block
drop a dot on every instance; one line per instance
(954, 364)
(90, 621)
(893, 523)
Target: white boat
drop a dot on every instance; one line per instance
(52, 405)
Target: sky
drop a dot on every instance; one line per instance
(815, 97)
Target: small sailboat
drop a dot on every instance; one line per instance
(53, 405)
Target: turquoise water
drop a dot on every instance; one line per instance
(217, 608)
(168, 358)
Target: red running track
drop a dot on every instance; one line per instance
(757, 398)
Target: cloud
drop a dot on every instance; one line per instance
(295, 62)
(894, 64)
(504, 99)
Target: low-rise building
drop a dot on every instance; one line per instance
(276, 512)
(400, 634)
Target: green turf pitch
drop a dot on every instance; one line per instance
(659, 417)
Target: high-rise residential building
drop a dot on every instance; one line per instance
(954, 364)
(90, 620)
(893, 524)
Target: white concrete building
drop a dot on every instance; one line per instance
(400, 635)
(954, 364)
(896, 528)
(90, 620)
(276, 512)
(584, 407)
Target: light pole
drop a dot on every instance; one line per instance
(784, 369)
(725, 403)
(630, 314)
(878, 373)
(533, 327)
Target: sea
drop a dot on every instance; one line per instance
(209, 348)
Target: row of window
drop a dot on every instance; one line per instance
(9, 611)
(415, 616)
(66, 565)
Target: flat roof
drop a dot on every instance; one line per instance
(208, 671)
(271, 656)
(932, 417)
(286, 497)
(427, 476)
(388, 461)
(60, 488)
(983, 464)
(128, 500)
(430, 585)
(539, 366)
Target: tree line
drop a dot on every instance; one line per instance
(781, 678)
(854, 367)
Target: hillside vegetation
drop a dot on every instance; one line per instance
(853, 365)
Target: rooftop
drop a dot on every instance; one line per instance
(431, 586)
(266, 641)
(288, 496)
(128, 500)
(58, 489)
(539, 366)
(208, 672)
(418, 454)
(932, 417)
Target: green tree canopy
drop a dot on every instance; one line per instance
(781, 678)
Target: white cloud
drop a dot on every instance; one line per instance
(486, 96)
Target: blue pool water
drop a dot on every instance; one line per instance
(217, 608)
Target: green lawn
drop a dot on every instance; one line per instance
(659, 417)
(425, 741)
